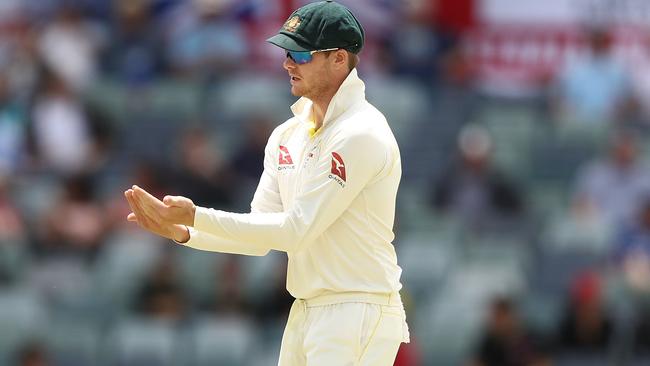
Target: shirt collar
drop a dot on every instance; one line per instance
(350, 92)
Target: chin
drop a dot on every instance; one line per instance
(297, 92)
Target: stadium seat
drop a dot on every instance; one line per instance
(14, 259)
(513, 129)
(425, 261)
(228, 104)
(596, 359)
(403, 102)
(259, 273)
(199, 272)
(23, 318)
(121, 267)
(74, 341)
(67, 284)
(140, 341)
(221, 340)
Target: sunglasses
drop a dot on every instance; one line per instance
(303, 57)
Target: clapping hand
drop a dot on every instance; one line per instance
(168, 218)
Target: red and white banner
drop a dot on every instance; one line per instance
(518, 45)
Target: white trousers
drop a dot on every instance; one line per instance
(339, 331)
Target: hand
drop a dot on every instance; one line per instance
(172, 210)
(148, 220)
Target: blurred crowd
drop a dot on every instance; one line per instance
(523, 226)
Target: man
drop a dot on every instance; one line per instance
(326, 198)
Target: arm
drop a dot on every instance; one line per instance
(170, 217)
(147, 214)
(323, 198)
(266, 199)
(203, 241)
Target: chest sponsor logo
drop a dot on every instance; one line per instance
(338, 169)
(284, 159)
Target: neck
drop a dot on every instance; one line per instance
(321, 103)
(318, 110)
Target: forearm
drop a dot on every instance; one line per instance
(204, 241)
(263, 231)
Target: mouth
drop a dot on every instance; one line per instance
(294, 79)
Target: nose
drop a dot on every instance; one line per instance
(288, 63)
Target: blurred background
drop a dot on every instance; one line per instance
(523, 223)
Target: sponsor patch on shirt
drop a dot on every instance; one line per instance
(337, 173)
(284, 159)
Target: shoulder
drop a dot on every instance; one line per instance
(361, 142)
(365, 122)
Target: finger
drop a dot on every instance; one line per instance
(140, 215)
(178, 201)
(152, 207)
(148, 217)
(141, 193)
(133, 216)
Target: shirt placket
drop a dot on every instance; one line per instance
(301, 171)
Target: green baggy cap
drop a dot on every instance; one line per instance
(319, 26)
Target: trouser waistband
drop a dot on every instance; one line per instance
(390, 299)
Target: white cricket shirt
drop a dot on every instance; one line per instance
(327, 200)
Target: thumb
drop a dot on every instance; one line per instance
(177, 201)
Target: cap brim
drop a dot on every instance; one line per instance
(284, 41)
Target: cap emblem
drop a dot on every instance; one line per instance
(292, 24)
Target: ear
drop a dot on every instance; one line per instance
(340, 59)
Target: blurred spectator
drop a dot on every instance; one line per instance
(135, 54)
(19, 55)
(24, 63)
(202, 173)
(612, 187)
(579, 227)
(206, 40)
(12, 226)
(69, 46)
(475, 191)
(632, 250)
(506, 342)
(75, 225)
(276, 302)
(594, 88)
(416, 45)
(586, 326)
(640, 69)
(66, 139)
(144, 174)
(13, 128)
(229, 299)
(11, 11)
(248, 159)
(32, 354)
(161, 295)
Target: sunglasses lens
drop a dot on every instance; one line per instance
(299, 57)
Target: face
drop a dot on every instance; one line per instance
(313, 79)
